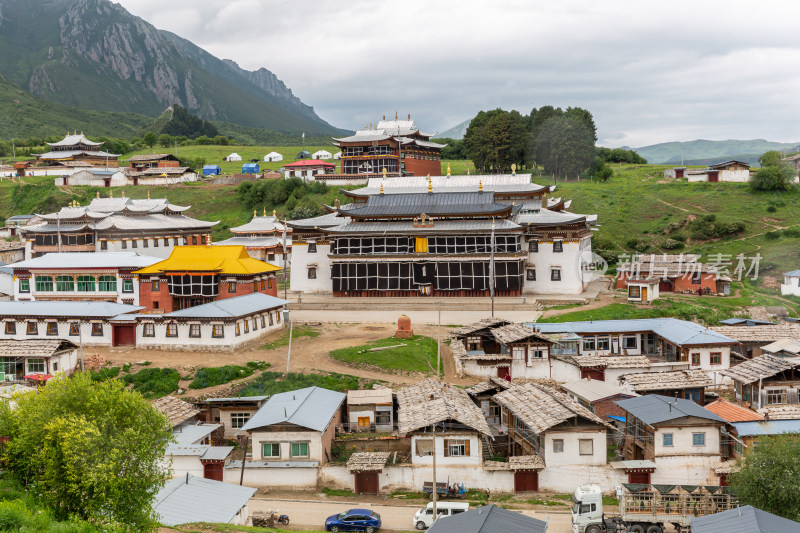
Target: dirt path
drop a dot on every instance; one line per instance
(309, 354)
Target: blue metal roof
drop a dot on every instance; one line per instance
(618, 418)
(211, 167)
(766, 427)
(655, 408)
(793, 274)
(745, 519)
(192, 499)
(680, 332)
(231, 307)
(312, 407)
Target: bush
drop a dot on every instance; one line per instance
(772, 235)
(274, 382)
(154, 382)
(791, 232)
(708, 228)
(213, 376)
(672, 244)
(773, 178)
(771, 209)
(109, 372)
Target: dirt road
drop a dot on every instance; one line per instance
(310, 514)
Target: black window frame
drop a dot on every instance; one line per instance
(558, 247)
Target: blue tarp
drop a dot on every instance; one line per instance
(250, 168)
(619, 418)
(211, 170)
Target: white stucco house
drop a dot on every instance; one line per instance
(791, 283)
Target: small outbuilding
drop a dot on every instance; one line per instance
(305, 154)
(486, 518)
(233, 157)
(272, 157)
(642, 290)
(791, 283)
(370, 410)
(250, 168)
(322, 154)
(743, 519)
(211, 170)
(192, 499)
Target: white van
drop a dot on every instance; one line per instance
(423, 519)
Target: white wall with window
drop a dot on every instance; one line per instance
(105, 285)
(585, 447)
(687, 440)
(205, 335)
(451, 449)
(311, 267)
(554, 266)
(288, 446)
(94, 332)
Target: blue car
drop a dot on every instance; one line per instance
(354, 520)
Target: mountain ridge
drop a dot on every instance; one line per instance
(703, 151)
(94, 54)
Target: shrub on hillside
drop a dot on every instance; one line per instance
(774, 178)
(708, 227)
(154, 382)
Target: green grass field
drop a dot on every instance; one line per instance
(274, 382)
(417, 354)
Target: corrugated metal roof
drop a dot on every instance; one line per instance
(431, 203)
(312, 407)
(237, 399)
(632, 464)
(766, 427)
(190, 434)
(655, 408)
(47, 309)
(231, 307)
(324, 221)
(489, 519)
(594, 390)
(745, 519)
(680, 332)
(369, 396)
(217, 453)
(545, 216)
(250, 242)
(439, 226)
(199, 500)
(88, 260)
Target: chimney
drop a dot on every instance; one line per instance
(187, 478)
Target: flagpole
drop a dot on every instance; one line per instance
(491, 269)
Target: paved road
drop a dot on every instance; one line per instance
(313, 514)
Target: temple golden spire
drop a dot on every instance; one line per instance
(480, 186)
(98, 194)
(255, 213)
(430, 184)
(395, 115)
(448, 169)
(148, 194)
(383, 171)
(381, 188)
(274, 213)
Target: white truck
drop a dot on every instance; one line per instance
(647, 508)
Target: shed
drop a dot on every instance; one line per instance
(489, 519)
(273, 156)
(250, 168)
(193, 499)
(322, 154)
(305, 154)
(598, 396)
(211, 170)
(642, 289)
(233, 157)
(370, 410)
(746, 519)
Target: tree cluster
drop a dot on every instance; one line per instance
(560, 141)
(774, 174)
(191, 126)
(619, 155)
(295, 193)
(88, 450)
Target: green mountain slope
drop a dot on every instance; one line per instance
(23, 115)
(702, 151)
(94, 54)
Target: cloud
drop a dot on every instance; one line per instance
(648, 72)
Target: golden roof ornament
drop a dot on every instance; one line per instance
(448, 170)
(111, 194)
(381, 188)
(274, 212)
(514, 169)
(148, 194)
(395, 115)
(98, 194)
(480, 186)
(383, 171)
(430, 184)
(255, 213)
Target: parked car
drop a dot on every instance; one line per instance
(423, 519)
(354, 520)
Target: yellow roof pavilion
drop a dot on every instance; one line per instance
(207, 258)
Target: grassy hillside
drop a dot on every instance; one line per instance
(23, 115)
(701, 150)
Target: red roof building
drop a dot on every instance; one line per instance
(732, 412)
(308, 168)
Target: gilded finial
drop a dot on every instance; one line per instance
(381, 188)
(395, 115)
(448, 169)
(98, 194)
(111, 194)
(514, 169)
(274, 213)
(430, 184)
(480, 186)
(255, 213)
(383, 171)
(148, 195)
(123, 194)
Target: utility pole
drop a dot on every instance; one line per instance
(434, 493)
(439, 341)
(289, 355)
(491, 269)
(80, 337)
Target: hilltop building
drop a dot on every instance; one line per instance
(197, 275)
(153, 226)
(434, 237)
(77, 151)
(398, 146)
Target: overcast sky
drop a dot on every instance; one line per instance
(649, 71)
